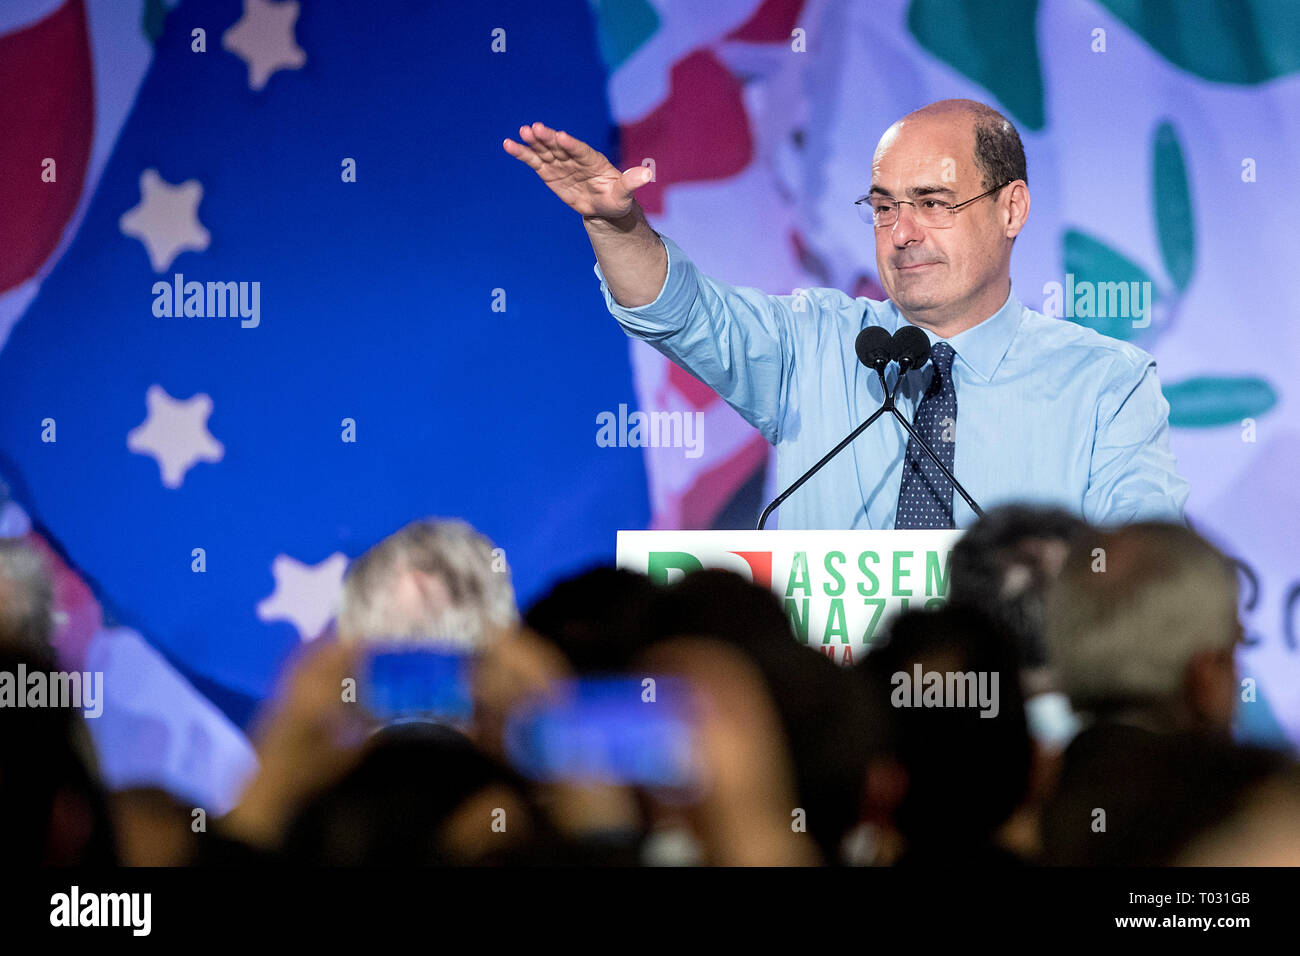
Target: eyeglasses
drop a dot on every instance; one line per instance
(881, 211)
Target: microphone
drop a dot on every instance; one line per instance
(911, 348)
(874, 347)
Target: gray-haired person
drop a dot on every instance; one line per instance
(436, 582)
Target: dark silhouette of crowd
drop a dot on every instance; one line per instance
(1096, 683)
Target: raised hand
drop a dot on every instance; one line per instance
(584, 178)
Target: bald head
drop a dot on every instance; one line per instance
(995, 147)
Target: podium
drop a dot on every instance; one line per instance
(837, 587)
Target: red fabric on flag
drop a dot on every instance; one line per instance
(47, 110)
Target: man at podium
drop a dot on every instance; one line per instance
(1018, 406)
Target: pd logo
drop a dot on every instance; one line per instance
(666, 567)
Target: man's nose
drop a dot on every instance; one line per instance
(908, 228)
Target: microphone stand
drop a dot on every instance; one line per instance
(886, 406)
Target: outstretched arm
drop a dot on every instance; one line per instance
(631, 256)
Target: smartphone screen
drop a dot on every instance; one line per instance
(633, 731)
(413, 682)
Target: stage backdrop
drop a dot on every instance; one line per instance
(395, 319)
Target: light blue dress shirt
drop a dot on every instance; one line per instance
(1048, 412)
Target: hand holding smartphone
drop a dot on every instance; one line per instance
(616, 730)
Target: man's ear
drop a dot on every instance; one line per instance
(1017, 206)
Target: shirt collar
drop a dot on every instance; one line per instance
(983, 346)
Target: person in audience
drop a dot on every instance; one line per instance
(434, 582)
(1003, 566)
(53, 807)
(747, 809)
(824, 711)
(1141, 630)
(1262, 830)
(599, 620)
(1178, 797)
(963, 752)
(153, 827)
(323, 757)
(335, 789)
(420, 795)
(593, 624)
(26, 599)
(308, 735)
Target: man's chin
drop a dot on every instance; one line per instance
(911, 300)
(916, 291)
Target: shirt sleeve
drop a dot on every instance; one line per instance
(1134, 475)
(737, 340)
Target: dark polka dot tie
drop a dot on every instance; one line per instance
(925, 497)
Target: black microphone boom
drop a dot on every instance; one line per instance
(818, 467)
(875, 350)
(910, 347)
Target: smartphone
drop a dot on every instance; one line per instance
(616, 730)
(411, 682)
